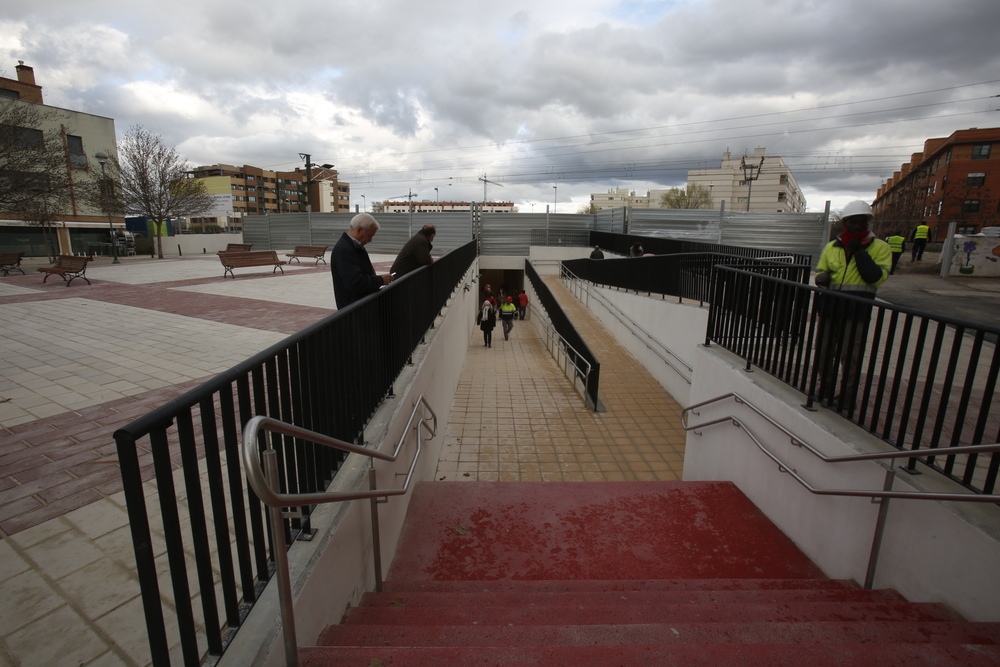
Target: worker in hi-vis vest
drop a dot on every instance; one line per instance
(897, 244)
(920, 235)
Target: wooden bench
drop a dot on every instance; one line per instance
(235, 260)
(11, 261)
(316, 252)
(237, 247)
(67, 267)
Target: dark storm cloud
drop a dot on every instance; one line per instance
(382, 87)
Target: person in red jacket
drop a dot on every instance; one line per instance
(522, 305)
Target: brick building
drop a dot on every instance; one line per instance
(954, 179)
(248, 190)
(79, 226)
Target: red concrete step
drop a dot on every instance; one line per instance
(533, 586)
(485, 600)
(714, 655)
(574, 530)
(792, 612)
(816, 632)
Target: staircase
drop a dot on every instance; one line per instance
(645, 573)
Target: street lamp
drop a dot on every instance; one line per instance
(365, 202)
(555, 197)
(438, 195)
(102, 157)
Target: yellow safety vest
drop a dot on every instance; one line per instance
(923, 231)
(896, 243)
(844, 274)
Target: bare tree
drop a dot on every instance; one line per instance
(590, 208)
(149, 178)
(35, 182)
(695, 196)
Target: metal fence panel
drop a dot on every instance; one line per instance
(514, 233)
(693, 225)
(610, 220)
(284, 231)
(798, 233)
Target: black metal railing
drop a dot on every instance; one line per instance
(919, 381)
(681, 275)
(564, 327)
(620, 243)
(329, 378)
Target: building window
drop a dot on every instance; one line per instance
(781, 196)
(940, 204)
(77, 158)
(743, 200)
(783, 179)
(25, 137)
(965, 229)
(970, 206)
(981, 152)
(976, 179)
(12, 94)
(947, 157)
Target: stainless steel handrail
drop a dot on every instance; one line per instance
(884, 495)
(619, 314)
(550, 333)
(265, 483)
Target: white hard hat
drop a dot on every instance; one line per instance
(857, 207)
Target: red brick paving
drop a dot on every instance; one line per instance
(52, 466)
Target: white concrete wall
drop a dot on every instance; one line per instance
(336, 568)
(676, 327)
(931, 551)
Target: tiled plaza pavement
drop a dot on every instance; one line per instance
(517, 418)
(77, 363)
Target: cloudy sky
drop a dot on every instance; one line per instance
(585, 95)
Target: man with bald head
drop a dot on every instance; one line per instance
(353, 274)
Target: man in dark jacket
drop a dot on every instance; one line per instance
(415, 253)
(353, 274)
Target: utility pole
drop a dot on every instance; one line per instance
(751, 172)
(485, 181)
(308, 158)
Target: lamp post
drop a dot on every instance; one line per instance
(102, 157)
(555, 198)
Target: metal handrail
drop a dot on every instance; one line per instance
(619, 314)
(265, 484)
(884, 495)
(550, 332)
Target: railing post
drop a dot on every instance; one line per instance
(281, 565)
(376, 544)
(883, 509)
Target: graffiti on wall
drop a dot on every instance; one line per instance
(976, 256)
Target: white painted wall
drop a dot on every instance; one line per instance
(672, 327)
(931, 551)
(336, 568)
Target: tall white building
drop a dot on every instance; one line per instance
(758, 183)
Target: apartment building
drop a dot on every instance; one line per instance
(954, 179)
(79, 227)
(758, 183)
(249, 190)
